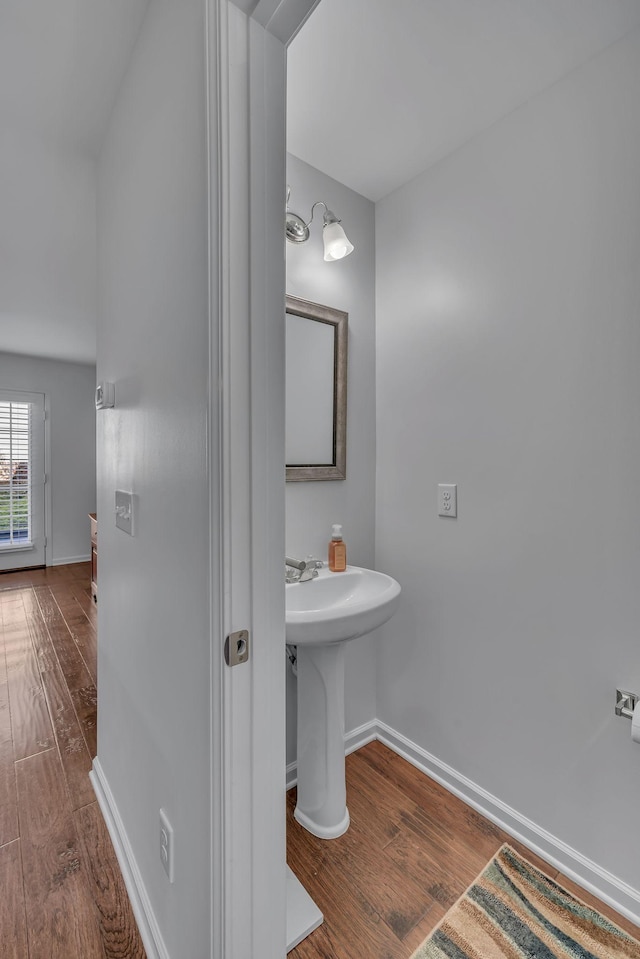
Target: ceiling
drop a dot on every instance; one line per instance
(61, 63)
(379, 90)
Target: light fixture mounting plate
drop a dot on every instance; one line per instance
(296, 229)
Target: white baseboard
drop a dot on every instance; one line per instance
(291, 775)
(69, 560)
(145, 918)
(586, 873)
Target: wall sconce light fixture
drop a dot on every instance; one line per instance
(336, 242)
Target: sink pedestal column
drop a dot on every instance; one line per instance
(321, 806)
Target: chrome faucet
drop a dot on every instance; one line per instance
(301, 570)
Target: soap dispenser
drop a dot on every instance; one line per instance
(337, 550)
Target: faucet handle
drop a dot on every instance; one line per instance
(301, 571)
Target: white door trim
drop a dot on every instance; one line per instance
(247, 917)
(218, 852)
(246, 92)
(247, 108)
(48, 499)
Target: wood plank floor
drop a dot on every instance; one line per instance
(62, 894)
(411, 851)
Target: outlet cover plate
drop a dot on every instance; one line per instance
(447, 499)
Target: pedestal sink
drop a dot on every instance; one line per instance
(321, 616)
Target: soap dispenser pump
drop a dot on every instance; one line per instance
(337, 550)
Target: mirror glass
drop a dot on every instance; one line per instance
(316, 391)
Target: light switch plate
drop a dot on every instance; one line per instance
(124, 511)
(447, 499)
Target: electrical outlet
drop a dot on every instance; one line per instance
(166, 845)
(447, 499)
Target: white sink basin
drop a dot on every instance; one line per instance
(338, 606)
(321, 616)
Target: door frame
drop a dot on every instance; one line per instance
(246, 79)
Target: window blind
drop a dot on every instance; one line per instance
(15, 474)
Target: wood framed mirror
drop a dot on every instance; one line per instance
(316, 391)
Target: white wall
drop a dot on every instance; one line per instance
(312, 508)
(69, 388)
(48, 243)
(154, 663)
(508, 350)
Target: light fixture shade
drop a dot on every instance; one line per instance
(336, 242)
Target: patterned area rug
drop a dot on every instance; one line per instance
(514, 911)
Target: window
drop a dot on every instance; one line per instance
(22, 480)
(15, 475)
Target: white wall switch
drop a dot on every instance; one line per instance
(124, 511)
(447, 499)
(166, 845)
